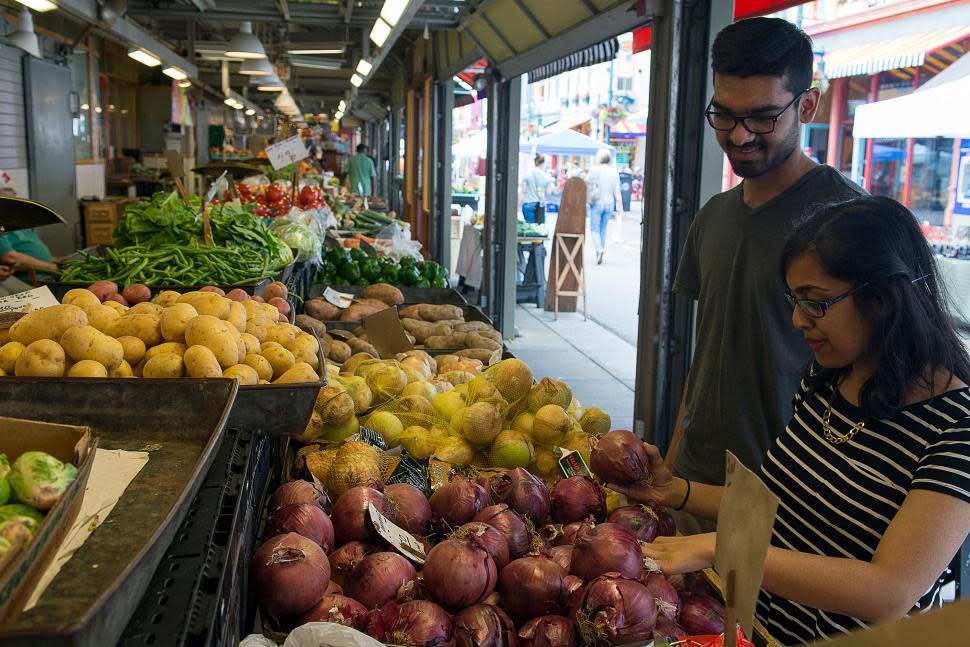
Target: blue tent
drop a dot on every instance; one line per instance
(565, 142)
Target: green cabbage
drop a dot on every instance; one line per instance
(40, 479)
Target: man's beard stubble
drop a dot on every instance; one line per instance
(757, 168)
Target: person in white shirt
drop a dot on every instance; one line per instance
(603, 196)
(535, 187)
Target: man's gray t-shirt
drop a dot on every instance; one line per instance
(748, 357)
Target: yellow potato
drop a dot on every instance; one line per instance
(3, 373)
(145, 327)
(262, 366)
(4, 336)
(269, 311)
(117, 307)
(87, 368)
(208, 303)
(201, 362)
(123, 370)
(305, 349)
(41, 358)
(164, 365)
(263, 382)
(87, 342)
(82, 298)
(244, 373)
(237, 316)
(174, 320)
(281, 334)
(146, 308)
(101, 317)
(280, 359)
(211, 332)
(257, 330)
(134, 349)
(270, 344)
(252, 343)
(9, 353)
(299, 372)
(47, 323)
(178, 348)
(167, 298)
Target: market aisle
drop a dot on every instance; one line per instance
(597, 364)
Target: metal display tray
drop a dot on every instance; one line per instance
(180, 424)
(435, 296)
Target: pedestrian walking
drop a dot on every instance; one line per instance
(603, 197)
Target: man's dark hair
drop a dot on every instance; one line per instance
(764, 47)
(361, 148)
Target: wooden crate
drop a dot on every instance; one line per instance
(101, 218)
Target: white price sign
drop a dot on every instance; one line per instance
(339, 299)
(35, 299)
(396, 536)
(288, 151)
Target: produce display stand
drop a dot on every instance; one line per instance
(760, 637)
(180, 422)
(434, 296)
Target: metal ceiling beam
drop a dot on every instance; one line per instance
(499, 33)
(590, 7)
(348, 11)
(396, 32)
(284, 7)
(532, 18)
(204, 5)
(312, 15)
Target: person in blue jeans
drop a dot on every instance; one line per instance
(603, 196)
(536, 185)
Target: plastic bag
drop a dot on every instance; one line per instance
(328, 634)
(712, 641)
(257, 640)
(396, 242)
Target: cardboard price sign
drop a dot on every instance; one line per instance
(396, 536)
(288, 151)
(386, 334)
(744, 523)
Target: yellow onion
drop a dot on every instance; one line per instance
(423, 389)
(511, 449)
(455, 451)
(595, 422)
(385, 381)
(447, 404)
(579, 441)
(313, 431)
(418, 365)
(413, 410)
(418, 442)
(513, 377)
(337, 433)
(481, 390)
(359, 392)
(550, 425)
(522, 423)
(334, 405)
(549, 391)
(546, 462)
(356, 464)
(320, 462)
(387, 425)
(481, 423)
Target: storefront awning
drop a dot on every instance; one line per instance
(939, 111)
(881, 55)
(599, 53)
(627, 128)
(565, 142)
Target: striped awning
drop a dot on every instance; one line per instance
(600, 53)
(891, 54)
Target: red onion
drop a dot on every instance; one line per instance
(305, 519)
(380, 578)
(533, 586)
(639, 519)
(418, 623)
(484, 625)
(459, 573)
(606, 548)
(576, 498)
(298, 491)
(507, 522)
(613, 609)
(333, 587)
(494, 542)
(290, 574)
(668, 602)
(569, 531)
(457, 502)
(412, 511)
(335, 608)
(528, 496)
(496, 485)
(667, 630)
(351, 521)
(619, 457)
(345, 559)
(548, 631)
(689, 584)
(701, 615)
(562, 555)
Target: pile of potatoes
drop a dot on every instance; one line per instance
(196, 334)
(372, 300)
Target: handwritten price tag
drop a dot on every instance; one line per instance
(572, 464)
(339, 299)
(396, 536)
(37, 298)
(288, 151)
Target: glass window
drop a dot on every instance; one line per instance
(930, 178)
(888, 167)
(82, 120)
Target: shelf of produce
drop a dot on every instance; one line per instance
(199, 595)
(435, 296)
(180, 422)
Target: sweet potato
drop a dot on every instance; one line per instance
(311, 325)
(360, 346)
(410, 312)
(476, 340)
(322, 310)
(453, 340)
(431, 330)
(384, 292)
(472, 326)
(340, 352)
(430, 312)
(411, 325)
(481, 354)
(358, 311)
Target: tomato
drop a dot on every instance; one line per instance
(309, 194)
(274, 193)
(244, 189)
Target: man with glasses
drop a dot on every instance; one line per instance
(748, 356)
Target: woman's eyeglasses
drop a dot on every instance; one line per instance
(817, 309)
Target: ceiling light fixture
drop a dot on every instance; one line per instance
(312, 51)
(316, 63)
(392, 10)
(39, 5)
(356, 80)
(185, 83)
(341, 105)
(143, 57)
(245, 44)
(24, 36)
(380, 32)
(250, 112)
(256, 67)
(364, 67)
(175, 73)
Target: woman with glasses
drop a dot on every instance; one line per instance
(873, 470)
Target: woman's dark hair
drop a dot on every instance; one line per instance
(878, 241)
(764, 47)
(539, 159)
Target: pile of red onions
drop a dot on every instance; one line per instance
(290, 574)
(459, 573)
(533, 586)
(547, 631)
(562, 555)
(483, 625)
(307, 519)
(615, 610)
(380, 578)
(418, 623)
(345, 559)
(528, 496)
(667, 526)
(507, 522)
(641, 520)
(619, 457)
(335, 608)
(496, 485)
(606, 548)
(351, 520)
(457, 502)
(577, 497)
(494, 542)
(298, 491)
(412, 512)
(668, 602)
(700, 614)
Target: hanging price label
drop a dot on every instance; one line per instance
(572, 464)
(288, 151)
(339, 299)
(396, 536)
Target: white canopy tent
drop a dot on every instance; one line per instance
(938, 111)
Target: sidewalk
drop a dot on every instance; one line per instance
(598, 365)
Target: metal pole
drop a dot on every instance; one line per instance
(444, 105)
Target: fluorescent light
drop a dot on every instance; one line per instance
(356, 80)
(364, 67)
(97, 109)
(316, 63)
(143, 57)
(250, 112)
(339, 116)
(185, 83)
(85, 106)
(314, 51)
(175, 73)
(230, 101)
(392, 10)
(341, 105)
(256, 67)
(271, 88)
(380, 32)
(39, 5)
(244, 44)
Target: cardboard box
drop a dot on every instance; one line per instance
(101, 218)
(68, 443)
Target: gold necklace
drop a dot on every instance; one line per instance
(833, 436)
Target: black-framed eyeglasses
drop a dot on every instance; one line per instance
(817, 309)
(754, 124)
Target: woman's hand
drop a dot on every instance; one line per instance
(682, 554)
(5, 272)
(663, 488)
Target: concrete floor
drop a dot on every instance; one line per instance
(598, 365)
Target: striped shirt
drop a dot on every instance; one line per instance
(838, 500)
